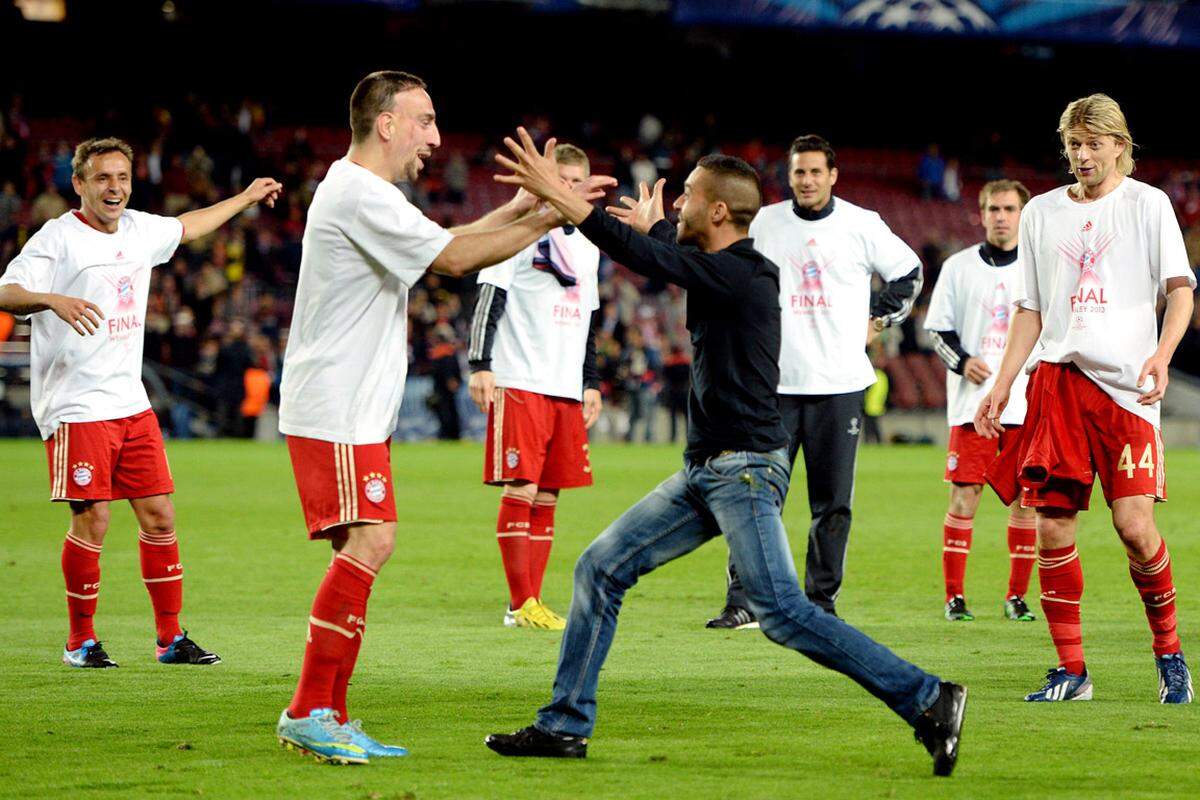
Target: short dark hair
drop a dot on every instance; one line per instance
(1003, 185)
(811, 143)
(97, 147)
(374, 95)
(737, 185)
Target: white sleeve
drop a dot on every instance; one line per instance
(161, 234)
(941, 314)
(1168, 255)
(887, 253)
(1027, 296)
(395, 233)
(33, 268)
(501, 275)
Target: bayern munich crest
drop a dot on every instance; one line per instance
(512, 457)
(82, 472)
(375, 488)
(952, 462)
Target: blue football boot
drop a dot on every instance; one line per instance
(1174, 679)
(1062, 685)
(374, 749)
(91, 655)
(320, 735)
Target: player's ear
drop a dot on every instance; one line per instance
(385, 126)
(833, 176)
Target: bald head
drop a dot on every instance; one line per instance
(730, 180)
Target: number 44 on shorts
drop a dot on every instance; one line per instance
(1146, 462)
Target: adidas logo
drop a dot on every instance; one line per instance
(1087, 226)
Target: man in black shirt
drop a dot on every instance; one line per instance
(736, 467)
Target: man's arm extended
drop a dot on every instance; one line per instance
(81, 315)
(522, 203)
(203, 221)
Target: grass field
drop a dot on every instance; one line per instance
(684, 712)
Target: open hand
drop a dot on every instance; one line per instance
(81, 315)
(641, 214)
(535, 172)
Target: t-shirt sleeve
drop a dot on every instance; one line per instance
(162, 235)
(395, 233)
(501, 275)
(941, 316)
(887, 253)
(1027, 295)
(1168, 255)
(33, 268)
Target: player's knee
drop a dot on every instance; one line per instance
(92, 524)
(1137, 531)
(964, 499)
(159, 520)
(521, 491)
(546, 497)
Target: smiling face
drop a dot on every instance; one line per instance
(811, 179)
(104, 188)
(410, 131)
(1093, 157)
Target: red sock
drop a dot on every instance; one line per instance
(162, 573)
(956, 546)
(541, 539)
(335, 631)
(512, 532)
(1061, 577)
(1155, 585)
(81, 570)
(1022, 553)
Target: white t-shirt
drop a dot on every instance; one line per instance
(825, 268)
(974, 299)
(542, 338)
(98, 377)
(364, 246)
(1094, 271)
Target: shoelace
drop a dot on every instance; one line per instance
(333, 728)
(1176, 677)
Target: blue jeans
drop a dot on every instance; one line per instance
(740, 495)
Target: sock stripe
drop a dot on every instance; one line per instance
(83, 596)
(962, 550)
(168, 579)
(961, 523)
(513, 534)
(329, 626)
(1022, 524)
(533, 538)
(354, 562)
(1049, 599)
(80, 543)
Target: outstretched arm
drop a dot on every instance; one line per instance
(203, 221)
(522, 203)
(81, 315)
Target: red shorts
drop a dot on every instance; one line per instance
(536, 438)
(1073, 432)
(115, 459)
(969, 454)
(342, 483)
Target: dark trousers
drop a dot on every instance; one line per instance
(827, 428)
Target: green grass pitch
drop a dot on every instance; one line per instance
(684, 712)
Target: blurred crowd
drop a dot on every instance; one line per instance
(219, 312)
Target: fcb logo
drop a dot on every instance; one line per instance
(374, 488)
(952, 462)
(81, 473)
(512, 457)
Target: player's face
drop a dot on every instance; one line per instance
(412, 125)
(573, 174)
(693, 208)
(811, 179)
(1093, 156)
(1001, 216)
(105, 188)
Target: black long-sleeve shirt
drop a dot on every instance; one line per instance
(734, 318)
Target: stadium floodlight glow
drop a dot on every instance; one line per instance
(42, 10)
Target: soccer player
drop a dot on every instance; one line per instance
(735, 471)
(364, 246)
(1095, 255)
(91, 269)
(968, 319)
(827, 250)
(533, 372)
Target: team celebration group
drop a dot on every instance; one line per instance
(1049, 329)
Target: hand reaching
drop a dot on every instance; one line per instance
(641, 214)
(263, 190)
